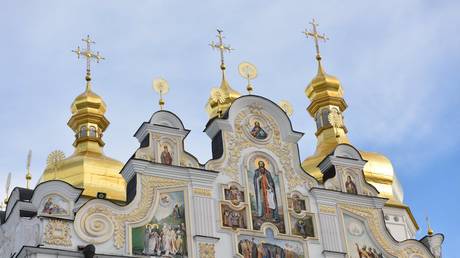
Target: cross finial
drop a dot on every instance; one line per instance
(28, 175)
(89, 55)
(316, 37)
(221, 47)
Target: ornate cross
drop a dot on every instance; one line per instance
(89, 55)
(221, 47)
(316, 36)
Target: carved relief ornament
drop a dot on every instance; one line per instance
(57, 232)
(372, 216)
(100, 222)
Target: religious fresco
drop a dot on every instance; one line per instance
(268, 247)
(166, 156)
(55, 205)
(359, 242)
(234, 194)
(166, 234)
(296, 203)
(303, 226)
(350, 186)
(258, 131)
(233, 218)
(265, 194)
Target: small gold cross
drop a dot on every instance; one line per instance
(221, 47)
(89, 55)
(316, 37)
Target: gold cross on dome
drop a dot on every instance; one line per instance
(316, 37)
(221, 47)
(89, 55)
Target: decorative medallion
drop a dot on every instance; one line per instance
(207, 250)
(57, 232)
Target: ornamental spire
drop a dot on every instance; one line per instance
(222, 48)
(316, 36)
(222, 97)
(89, 55)
(28, 175)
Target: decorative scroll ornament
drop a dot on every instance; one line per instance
(373, 217)
(57, 232)
(100, 222)
(207, 250)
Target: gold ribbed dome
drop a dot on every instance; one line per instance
(221, 98)
(88, 167)
(326, 107)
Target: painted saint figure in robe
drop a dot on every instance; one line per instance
(350, 186)
(265, 193)
(166, 157)
(258, 132)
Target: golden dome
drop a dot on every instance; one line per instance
(326, 107)
(221, 98)
(88, 167)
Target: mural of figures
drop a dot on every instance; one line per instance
(166, 157)
(55, 205)
(258, 132)
(350, 186)
(303, 226)
(234, 195)
(359, 242)
(296, 203)
(233, 218)
(265, 195)
(166, 234)
(256, 247)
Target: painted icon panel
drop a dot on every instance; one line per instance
(55, 205)
(234, 194)
(303, 226)
(166, 233)
(265, 194)
(233, 218)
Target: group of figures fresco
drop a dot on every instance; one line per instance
(359, 242)
(268, 247)
(166, 234)
(55, 205)
(264, 192)
(233, 218)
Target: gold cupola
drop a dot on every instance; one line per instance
(88, 167)
(222, 97)
(327, 106)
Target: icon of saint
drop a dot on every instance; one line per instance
(265, 193)
(166, 157)
(350, 186)
(258, 132)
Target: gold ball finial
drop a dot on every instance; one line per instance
(430, 230)
(161, 86)
(249, 72)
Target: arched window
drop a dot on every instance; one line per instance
(92, 131)
(83, 131)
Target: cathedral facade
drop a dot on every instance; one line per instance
(256, 197)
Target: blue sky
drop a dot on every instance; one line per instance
(397, 61)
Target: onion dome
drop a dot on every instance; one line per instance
(88, 168)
